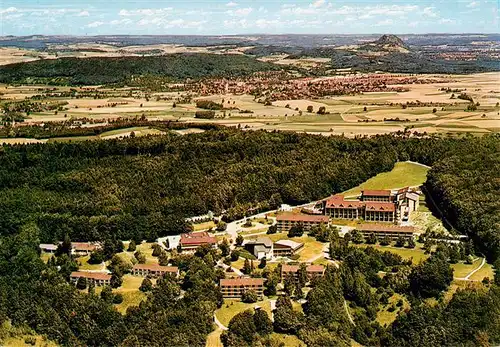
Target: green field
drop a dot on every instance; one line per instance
(132, 296)
(416, 254)
(404, 174)
(231, 308)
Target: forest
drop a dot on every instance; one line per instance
(100, 70)
(144, 187)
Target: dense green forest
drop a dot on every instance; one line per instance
(145, 187)
(93, 71)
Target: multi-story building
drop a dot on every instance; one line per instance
(383, 230)
(235, 287)
(376, 195)
(154, 270)
(285, 221)
(313, 271)
(98, 278)
(286, 248)
(83, 248)
(380, 211)
(338, 208)
(191, 241)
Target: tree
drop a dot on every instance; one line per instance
(297, 230)
(247, 269)
(411, 243)
(289, 285)
(310, 108)
(239, 240)
(64, 247)
(371, 239)
(431, 277)
(400, 242)
(235, 255)
(132, 246)
(146, 285)
(322, 110)
(273, 229)
(107, 294)
(249, 296)
(385, 241)
(221, 226)
(272, 283)
(81, 283)
(275, 201)
(286, 320)
(163, 259)
(116, 281)
(141, 258)
(243, 326)
(356, 237)
(302, 274)
(224, 247)
(263, 263)
(263, 324)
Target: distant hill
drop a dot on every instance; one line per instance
(385, 44)
(102, 70)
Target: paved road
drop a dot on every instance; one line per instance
(467, 278)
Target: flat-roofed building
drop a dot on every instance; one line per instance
(338, 208)
(154, 270)
(235, 287)
(380, 211)
(286, 248)
(313, 271)
(261, 247)
(98, 278)
(389, 230)
(376, 195)
(285, 221)
(191, 241)
(48, 247)
(83, 248)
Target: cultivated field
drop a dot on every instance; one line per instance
(425, 108)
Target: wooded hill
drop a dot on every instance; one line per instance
(100, 70)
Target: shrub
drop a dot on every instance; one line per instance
(205, 114)
(249, 296)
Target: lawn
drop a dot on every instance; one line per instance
(485, 271)
(231, 308)
(46, 256)
(84, 264)
(204, 226)
(213, 339)
(253, 231)
(132, 296)
(384, 317)
(287, 340)
(404, 174)
(461, 270)
(20, 341)
(416, 254)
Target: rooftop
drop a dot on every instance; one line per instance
(299, 217)
(155, 267)
(309, 268)
(338, 201)
(48, 246)
(386, 227)
(376, 192)
(197, 238)
(288, 243)
(242, 281)
(83, 246)
(91, 275)
(266, 241)
(380, 206)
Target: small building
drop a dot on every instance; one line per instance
(286, 248)
(389, 230)
(83, 248)
(48, 247)
(261, 247)
(285, 221)
(376, 195)
(154, 270)
(313, 271)
(380, 211)
(191, 241)
(235, 287)
(98, 278)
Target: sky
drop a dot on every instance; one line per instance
(214, 17)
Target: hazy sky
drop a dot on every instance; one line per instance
(92, 17)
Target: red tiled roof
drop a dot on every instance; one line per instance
(376, 192)
(338, 201)
(298, 217)
(83, 246)
(91, 275)
(289, 268)
(315, 268)
(380, 206)
(155, 267)
(241, 282)
(367, 227)
(199, 238)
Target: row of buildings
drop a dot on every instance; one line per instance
(77, 248)
(233, 288)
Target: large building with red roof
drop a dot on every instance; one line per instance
(285, 221)
(313, 271)
(386, 230)
(191, 241)
(154, 270)
(235, 287)
(98, 278)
